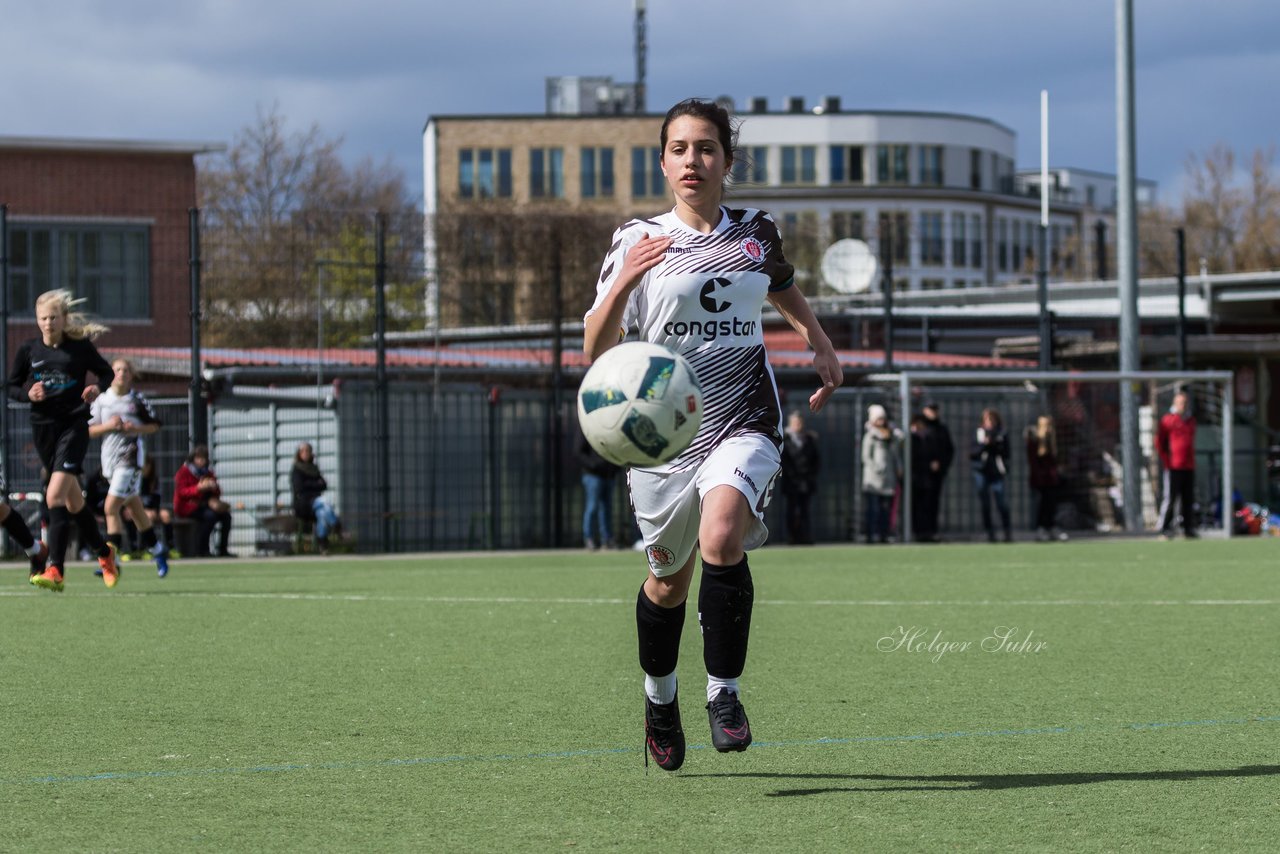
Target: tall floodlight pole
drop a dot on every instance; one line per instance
(1127, 263)
(886, 262)
(1046, 332)
(5, 473)
(641, 49)
(1181, 234)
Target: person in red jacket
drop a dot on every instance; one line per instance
(196, 495)
(1176, 445)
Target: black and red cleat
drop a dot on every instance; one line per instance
(663, 736)
(729, 728)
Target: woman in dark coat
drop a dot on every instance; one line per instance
(989, 459)
(308, 487)
(1044, 478)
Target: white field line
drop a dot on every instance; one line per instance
(567, 600)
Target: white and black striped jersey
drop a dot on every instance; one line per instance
(119, 449)
(703, 301)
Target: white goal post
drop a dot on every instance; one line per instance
(911, 385)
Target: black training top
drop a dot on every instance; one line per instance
(63, 370)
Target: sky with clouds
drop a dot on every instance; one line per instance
(373, 72)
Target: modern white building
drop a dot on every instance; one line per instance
(944, 185)
(936, 195)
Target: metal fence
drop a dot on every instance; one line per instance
(476, 467)
(478, 458)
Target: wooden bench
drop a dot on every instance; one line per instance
(186, 536)
(281, 532)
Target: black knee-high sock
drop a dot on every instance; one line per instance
(17, 528)
(148, 539)
(59, 531)
(724, 612)
(116, 540)
(89, 533)
(659, 631)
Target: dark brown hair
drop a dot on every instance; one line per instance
(709, 111)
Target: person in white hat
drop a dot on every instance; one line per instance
(881, 472)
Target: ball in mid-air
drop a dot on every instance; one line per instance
(639, 404)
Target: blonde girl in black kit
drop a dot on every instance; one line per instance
(50, 372)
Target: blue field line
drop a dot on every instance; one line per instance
(364, 765)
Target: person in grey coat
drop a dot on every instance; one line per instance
(881, 472)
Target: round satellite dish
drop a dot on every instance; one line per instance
(849, 266)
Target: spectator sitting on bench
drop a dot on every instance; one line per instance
(196, 495)
(308, 486)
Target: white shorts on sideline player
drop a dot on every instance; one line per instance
(126, 482)
(668, 506)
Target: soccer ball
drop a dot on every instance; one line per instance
(639, 404)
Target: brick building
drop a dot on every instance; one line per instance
(109, 221)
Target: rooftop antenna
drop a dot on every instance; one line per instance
(641, 47)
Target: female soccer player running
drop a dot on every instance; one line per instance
(122, 416)
(694, 280)
(50, 372)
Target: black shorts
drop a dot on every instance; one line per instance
(62, 446)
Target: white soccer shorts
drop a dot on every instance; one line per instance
(126, 482)
(668, 507)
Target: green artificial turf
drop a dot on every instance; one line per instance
(493, 702)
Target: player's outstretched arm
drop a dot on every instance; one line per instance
(792, 305)
(600, 332)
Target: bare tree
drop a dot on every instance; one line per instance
(1213, 207)
(288, 238)
(496, 263)
(1231, 216)
(1260, 245)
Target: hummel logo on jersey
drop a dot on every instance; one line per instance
(740, 473)
(708, 301)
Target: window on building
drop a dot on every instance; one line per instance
(466, 173)
(895, 227)
(931, 165)
(932, 284)
(1091, 195)
(847, 225)
(546, 173)
(597, 172)
(799, 164)
(1002, 244)
(797, 227)
(975, 169)
(846, 164)
(931, 245)
(646, 172)
(484, 173)
(751, 166)
(976, 241)
(959, 245)
(107, 265)
(1015, 258)
(891, 164)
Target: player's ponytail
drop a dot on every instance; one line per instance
(78, 326)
